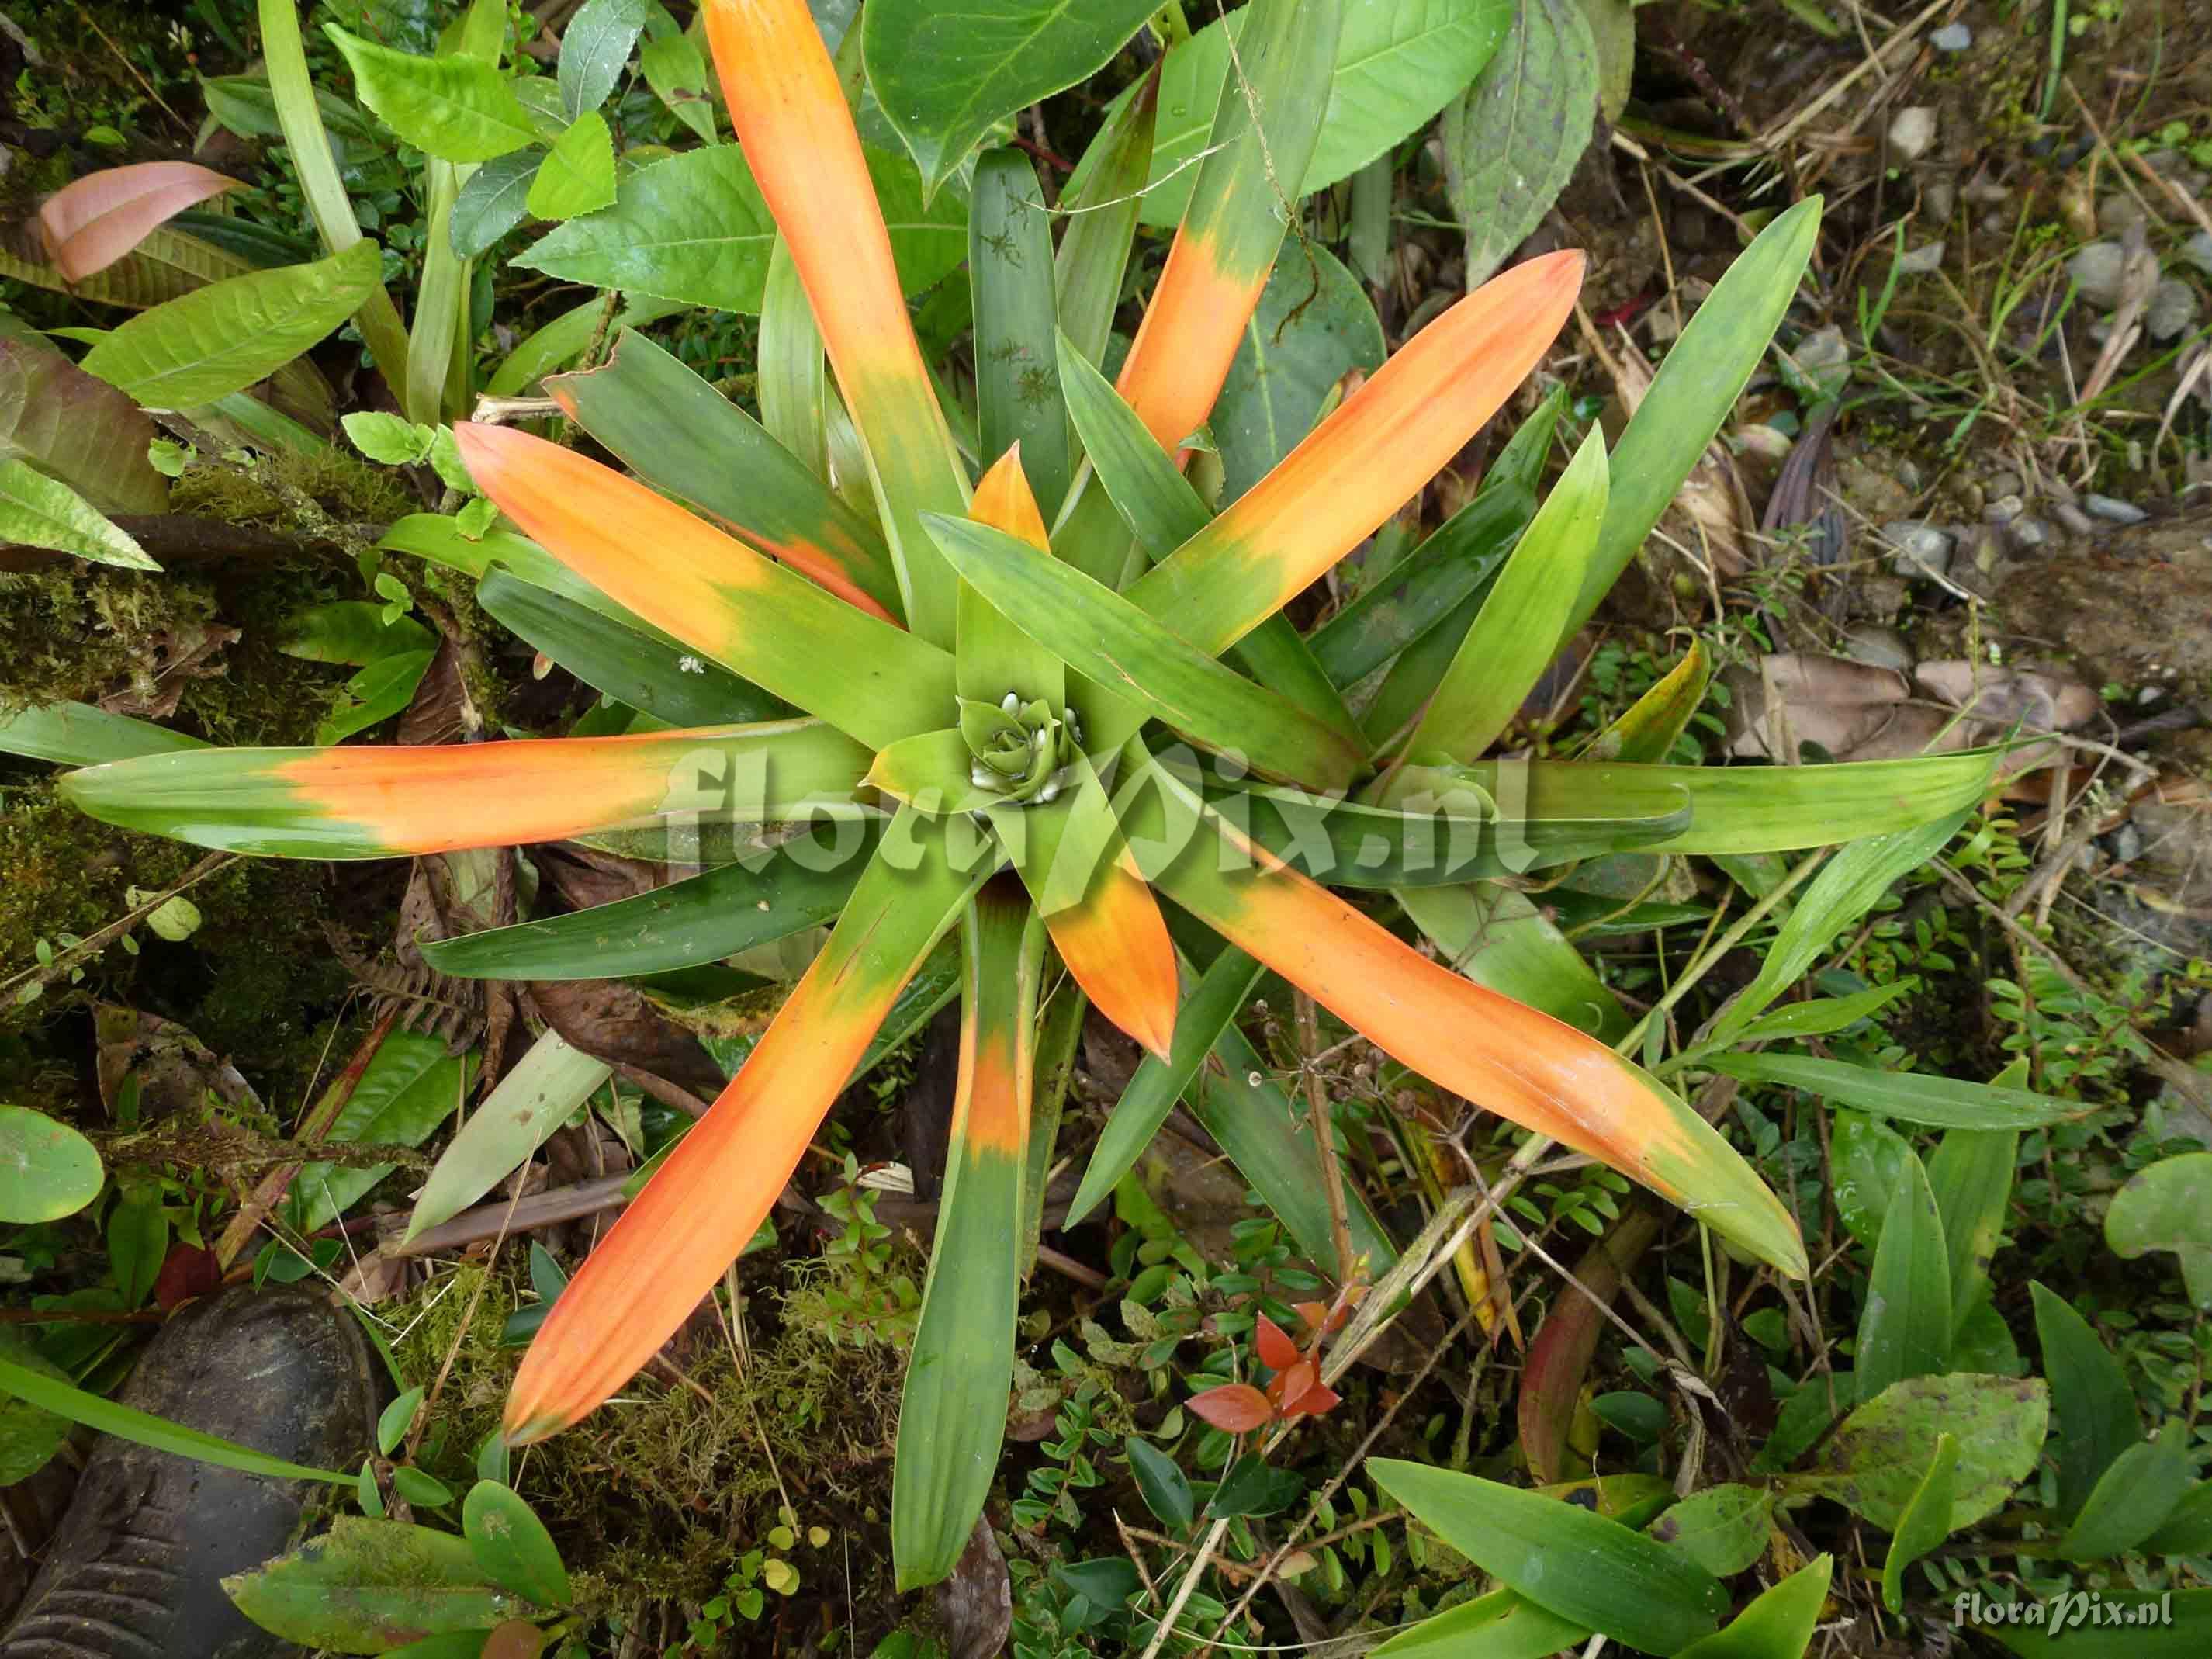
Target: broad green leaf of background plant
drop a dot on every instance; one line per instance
(37, 511)
(74, 427)
(1971, 1174)
(694, 229)
(1399, 62)
(1905, 1327)
(1498, 1626)
(1312, 326)
(204, 345)
(1579, 1565)
(47, 1170)
(512, 1545)
(494, 201)
(454, 108)
(2089, 1393)
(532, 1101)
(1925, 1522)
(1866, 1166)
(370, 1586)
(409, 1088)
(1512, 140)
(676, 69)
(2133, 1498)
(1876, 1460)
(1722, 1529)
(2168, 1207)
(594, 49)
(1941, 1103)
(1017, 395)
(1779, 1623)
(945, 75)
(578, 173)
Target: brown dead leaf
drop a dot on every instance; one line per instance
(976, 1603)
(177, 655)
(612, 1020)
(167, 1068)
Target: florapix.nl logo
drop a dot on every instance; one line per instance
(2067, 1610)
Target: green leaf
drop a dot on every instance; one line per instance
(411, 1087)
(388, 439)
(668, 682)
(1498, 1626)
(1579, 1565)
(1314, 325)
(594, 49)
(75, 427)
(1501, 939)
(1867, 1162)
(137, 1240)
(946, 75)
(1018, 395)
(1695, 391)
(512, 1545)
(1848, 886)
(1925, 1522)
(1941, 1103)
(493, 200)
(1822, 1016)
(2096, 1409)
(371, 1586)
(352, 631)
(77, 734)
(1102, 223)
(1160, 1483)
(1905, 1327)
(542, 1091)
(2160, 1624)
(1155, 1086)
(29, 1435)
(396, 1418)
(455, 108)
(1399, 62)
(1971, 1174)
(2168, 1207)
(1507, 650)
(144, 1429)
(2133, 1498)
(2188, 1529)
(420, 1488)
(1722, 1529)
(1109, 640)
(578, 174)
(220, 339)
(1874, 1464)
(694, 228)
(1512, 139)
(705, 919)
(47, 1170)
(380, 690)
(37, 511)
(676, 69)
(1252, 1487)
(1779, 1623)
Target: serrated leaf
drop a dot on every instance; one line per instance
(1312, 326)
(494, 201)
(204, 345)
(456, 108)
(694, 229)
(594, 49)
(578, 174)
(1511, 142)
(945, 76)
(36, 511)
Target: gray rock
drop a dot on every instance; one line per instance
(2030, 535)
(2096, 269)
(2113, 512)
(2198, 250)
(1928, 257)
(1918, 548)
(2074, 519)
(2117, 214)
(1951, 37)
(1913, 132)
(1940, 198)
(1877, 646)
(2002, 482)
(2005, 509)
(2171, 311)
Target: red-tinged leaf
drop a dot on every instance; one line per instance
(1292, 1383)
(1314, 1401)
(91, 224)
(1277, 1351)
(1558, 1360)
(1315, 1315)
(1363, 462)
(796, 130)
(670, 1247)
(1234, 1407)
(760, 621)
(187, 1271)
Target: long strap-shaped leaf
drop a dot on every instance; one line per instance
(1101, 222)
(1523, 1065)
(761, 622)
(670, 1246)
(1265, 128)
(1143, 664)
(952, 1415)
(797, 130)
(360, 802)
(1017, 314)
(670, 425)
(1363, 462)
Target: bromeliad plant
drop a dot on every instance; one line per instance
(976, 680)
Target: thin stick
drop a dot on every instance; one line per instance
(1331, 1175)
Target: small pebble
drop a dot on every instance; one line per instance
(1951, 37)
(1918, 548)
(2005, 509)
(2074, 519)
(2126, 843)
(2116, 214)
(2198, 250)
(2171, 311)
(1928, 257)
(2030, 534)
(1877, 646)
(2096, 272)
(1942, 198)
(2003, 482)
(1912, 132)
(2113, 512)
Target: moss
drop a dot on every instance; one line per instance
(77, 632)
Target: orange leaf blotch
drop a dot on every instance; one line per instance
(1234, 1407)
(1003, 501)
(1115, 944)
(1187, 341)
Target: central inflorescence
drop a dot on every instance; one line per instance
(1018, 749)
